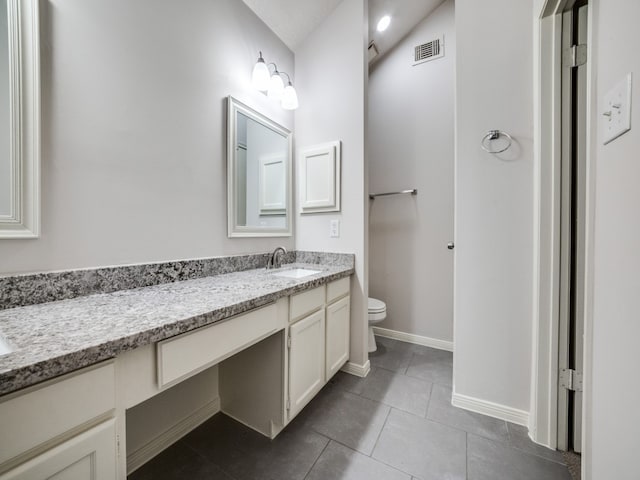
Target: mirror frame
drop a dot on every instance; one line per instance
(24, 90)
(234, 107)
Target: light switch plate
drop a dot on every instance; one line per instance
(334, 228)
(616, 110)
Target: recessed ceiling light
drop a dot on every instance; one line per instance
(384, 23)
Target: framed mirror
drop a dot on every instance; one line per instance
(258, 174)
(19, 119)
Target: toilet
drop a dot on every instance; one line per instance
(377, 313)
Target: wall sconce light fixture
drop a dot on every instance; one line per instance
(276, 85)
(289, 96)
(262, 79)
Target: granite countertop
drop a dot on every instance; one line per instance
(51, 339)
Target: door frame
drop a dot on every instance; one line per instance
(572, 233)
(547, 58)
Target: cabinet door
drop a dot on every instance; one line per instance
(88, 456)
(337, 338)
(306, 361)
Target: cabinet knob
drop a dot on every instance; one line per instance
(450, 245)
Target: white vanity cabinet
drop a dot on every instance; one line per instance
(337, 336)
(306, 345)
(88, 456)
(318, 341)
(338, 326)
(260, 367)
(62, 429)
(306, 360)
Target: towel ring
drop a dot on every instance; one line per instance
(494, 135)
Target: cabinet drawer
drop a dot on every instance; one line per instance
(185, 355)
(305, 303)
(44, 412)
(337, 289)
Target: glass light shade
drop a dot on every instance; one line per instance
(276, 86)
(289, 98)
(261, 76)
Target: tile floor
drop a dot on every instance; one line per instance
(398, 423)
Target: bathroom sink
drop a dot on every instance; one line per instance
(4, 347)
(296, 273)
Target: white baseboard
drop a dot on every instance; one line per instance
(357, 370)
(491, 409)
(274, 428)
(145, 453)
(417, 339)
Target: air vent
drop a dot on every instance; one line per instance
(428, 51)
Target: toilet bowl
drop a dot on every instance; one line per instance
(377, 313)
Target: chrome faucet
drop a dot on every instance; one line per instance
(275, 259)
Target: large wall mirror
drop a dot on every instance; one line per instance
(19, 119)
(258, 174)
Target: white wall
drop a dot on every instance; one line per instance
(410, 143)
(133, 127)
(616, 328)
(331, 84)
(493, 203)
